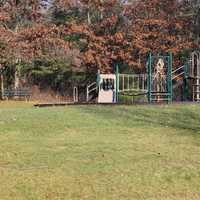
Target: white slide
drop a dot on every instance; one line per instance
(105, 97)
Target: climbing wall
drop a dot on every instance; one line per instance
(160, 78)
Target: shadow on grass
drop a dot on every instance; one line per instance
(178, 117)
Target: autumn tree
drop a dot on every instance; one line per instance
(28, 38)
(191, 10)
(155, 28)
(101, 37)
(45, 46)
(91, 35)
(19, 14)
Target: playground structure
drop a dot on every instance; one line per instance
(156, 85)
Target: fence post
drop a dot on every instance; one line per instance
(75, 94)
(87, 94)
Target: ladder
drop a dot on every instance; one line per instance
(196, 90)
(195, 72)
(91, 91)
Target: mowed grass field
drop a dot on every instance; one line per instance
(99, 152)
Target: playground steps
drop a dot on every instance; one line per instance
(91, 92)
(196, 92)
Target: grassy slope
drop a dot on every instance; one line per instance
(99, 153)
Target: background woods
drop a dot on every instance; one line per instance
(56, 44)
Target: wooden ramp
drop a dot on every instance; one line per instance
(56, 104)
(43, 105)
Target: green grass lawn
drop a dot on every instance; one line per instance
(99, 153)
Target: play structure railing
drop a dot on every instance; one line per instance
(132, 83)
(194, 70)
(178, 72)
(91, 89)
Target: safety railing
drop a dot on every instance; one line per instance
(135, 82)
(178, 72)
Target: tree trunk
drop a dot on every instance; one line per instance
(101, 15)
(89, 18)
(17, 76)
(17, 66)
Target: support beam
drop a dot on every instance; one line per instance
(169, 77)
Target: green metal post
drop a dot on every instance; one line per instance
(149, 77)
(169, 79)
(117, 83)
(186, 70)
(98, 81)
(98, 78)
(186, 90)
(186, 82)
